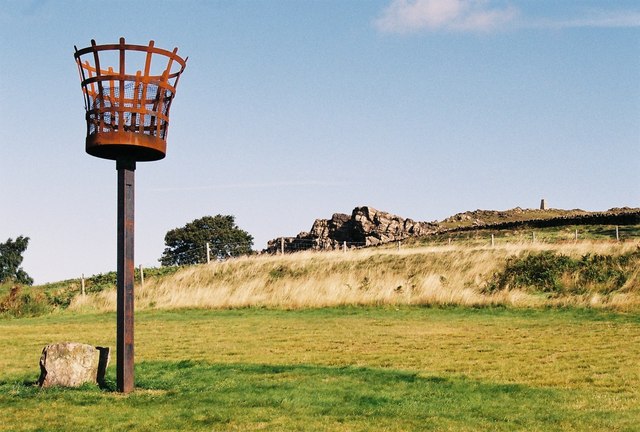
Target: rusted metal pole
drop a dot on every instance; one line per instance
(126, 197)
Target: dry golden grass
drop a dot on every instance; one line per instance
(436, 275)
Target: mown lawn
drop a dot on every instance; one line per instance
(345, 369)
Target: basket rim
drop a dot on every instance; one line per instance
(122, 46)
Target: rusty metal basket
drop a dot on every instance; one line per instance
(127, 112)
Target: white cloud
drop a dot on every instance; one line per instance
(409, 16)
(599, 18)
(406, 16)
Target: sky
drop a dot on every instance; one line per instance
(290, 111)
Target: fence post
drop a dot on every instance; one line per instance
(141, 276)
(82, 284)
(533, 236)
(208, 253)
(493, 243)
(576, 237)
(398, 245)
(617, 234)
(344, 246)
(281, 245)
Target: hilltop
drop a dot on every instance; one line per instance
(367, 226)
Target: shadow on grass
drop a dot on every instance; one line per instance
(194, 395)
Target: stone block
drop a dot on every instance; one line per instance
(71, 364)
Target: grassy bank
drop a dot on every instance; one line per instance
(434, 275)
(404, 368)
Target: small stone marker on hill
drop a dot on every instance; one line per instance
(71, 364)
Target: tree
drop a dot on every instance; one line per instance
(188, 245)
(10, 259)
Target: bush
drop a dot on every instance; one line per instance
(101, 282)
(24, 304)
(59, 295)
(556, 273)
(541, 271)
(61, 298)
(609, 273)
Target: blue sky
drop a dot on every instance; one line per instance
(294, 110)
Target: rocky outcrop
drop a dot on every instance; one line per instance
(71, 364)
(370, 227)
(365, 227)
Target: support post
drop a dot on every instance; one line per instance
(617, 233)
(208, 253)
(141, 276)
(344, 246)
(82, 285)
(493, 242)
(282, 245)
(126, 197)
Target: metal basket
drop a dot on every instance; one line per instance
(127, 112)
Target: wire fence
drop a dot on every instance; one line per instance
(223, 251)
(615, 233)
(467, 236)
(219, 252)
(292, 244)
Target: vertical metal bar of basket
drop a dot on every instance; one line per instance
(121, 95)
(100, 97)
(89, 92)
(158, 104)
(163, 123)
(110, 96)
(125, 351)
(145, 88)
(137, 114)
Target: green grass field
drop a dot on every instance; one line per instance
(344, 369)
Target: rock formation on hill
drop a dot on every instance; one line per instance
(365, 227)
(370, 227)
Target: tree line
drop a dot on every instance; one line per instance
(218, 236)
